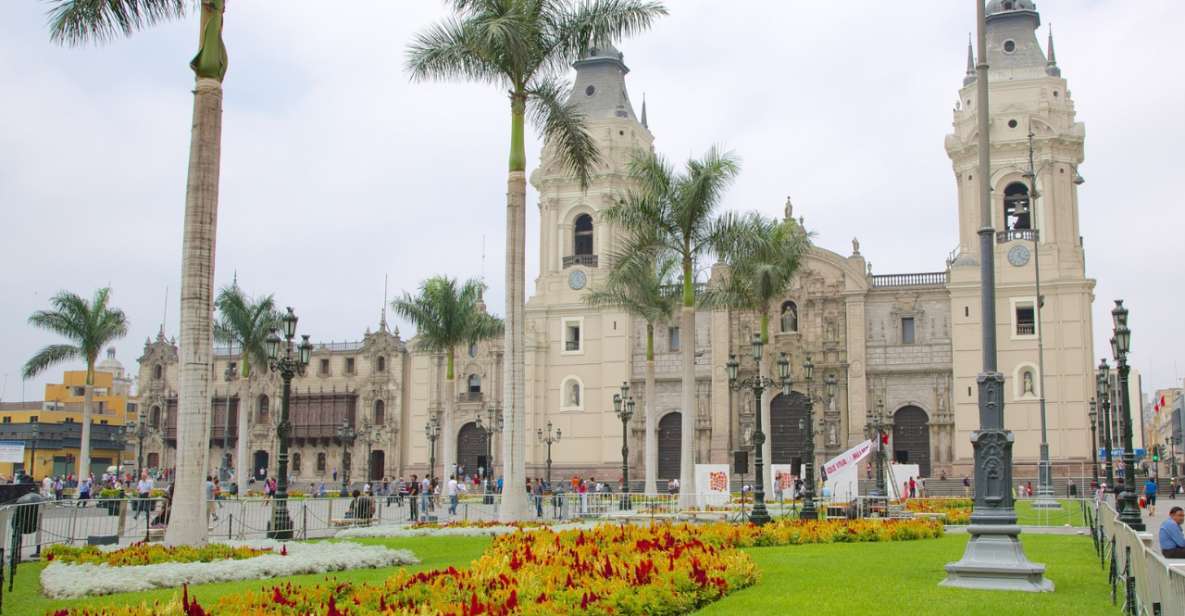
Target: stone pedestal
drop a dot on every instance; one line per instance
(995, 560)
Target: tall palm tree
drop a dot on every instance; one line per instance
(674, 213)
(245, 322)
(79, 21)
(522, 47)
(448, 314)
(647, 289)
(88, 327)
(763, 255)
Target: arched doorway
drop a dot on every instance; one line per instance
(911, 438)
(261, 465)
(670, 445)
(787, 429)
(378, 461)
(471, 448)
(153, 460)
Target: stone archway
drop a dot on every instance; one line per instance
(787, 429)
(911, 438)
(670, 446)
(471, 448)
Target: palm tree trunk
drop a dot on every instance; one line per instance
(187, 523)
(84, 447)
(687, 333)
(514, 431)
(242, 466)
(651, 449)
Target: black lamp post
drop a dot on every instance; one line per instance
(809, 511)
(1103, 385)
(1094, 442)
(432, 431)
(875, 427)
(1173, 458)
(228, 376)
(493, 427)
(548, 438)
(346, 434)
(759, 384)
(288, 361)
(623, 405)
(1121, 345)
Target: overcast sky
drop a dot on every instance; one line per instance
(337, 171)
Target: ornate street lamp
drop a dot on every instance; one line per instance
(1103, 384)
(623, 405)
(432, 431)
(809, 511)
(228, 376)
(875, 427)
(1121, 344)
(549, 438)
(1094, 441)
(288, 361)
(758, 384)
(346, 434)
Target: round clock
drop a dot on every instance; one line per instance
(1018, 255)
(577, 279)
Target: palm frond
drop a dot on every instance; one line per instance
(577, 27)
(245, 322)
(447, 51)
(49, 356)
(562, 125)
(74, 22)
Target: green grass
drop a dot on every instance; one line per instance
(1070, 513)
(881, 578)
(902, 578)
(433, 552)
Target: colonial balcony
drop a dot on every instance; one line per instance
(1011, 235)
(585, 260)
(470, 396)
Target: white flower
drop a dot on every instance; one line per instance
(63, 581)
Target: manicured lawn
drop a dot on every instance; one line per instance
(26, 598)
(881, 578)
(1070, 513)
(902, 578)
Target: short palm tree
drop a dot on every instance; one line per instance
(647, 289)
(89, 326)
(763, 255)
(522, 47)
(674, 213)
(79, 21)
(448, 314)
(245, 322)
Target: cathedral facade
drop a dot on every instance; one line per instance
(905, 347)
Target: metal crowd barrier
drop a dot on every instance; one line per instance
(1147, 583)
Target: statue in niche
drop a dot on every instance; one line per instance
(1028, 383)
(574, 394)
(832, 435)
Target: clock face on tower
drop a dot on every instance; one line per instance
(577, 279)
(1018, 255)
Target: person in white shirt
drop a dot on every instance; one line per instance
(425, 495)
(143, 490)
(47, 487)
(452, 495)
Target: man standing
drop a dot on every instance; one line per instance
(413, 488)
(1172, 541)
(144, 490)
(452, 495)
(1150, 495)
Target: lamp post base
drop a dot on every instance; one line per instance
(760, 515)
(1045, 499)
(995, 560)
(280, 526)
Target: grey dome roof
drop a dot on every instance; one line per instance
(1004, 6)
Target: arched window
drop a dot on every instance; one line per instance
(571, 394)
(583, 240)
(1018, 210)
(261, 415)
(789, 317)
(154, 417)
(474, 384)
(321, 462)
(157, 371)
(296, 463)
(381, 364)
(380, 412)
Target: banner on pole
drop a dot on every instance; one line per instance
(848, 459)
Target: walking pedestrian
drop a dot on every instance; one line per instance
(1150, 495)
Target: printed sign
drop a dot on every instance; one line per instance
(711, 484)
(848, 459)
(12, 451)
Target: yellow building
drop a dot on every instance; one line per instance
(51, 429)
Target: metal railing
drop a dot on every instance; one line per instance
(1146, 581)
(1029, 235)
(928, 279)
(585, 260)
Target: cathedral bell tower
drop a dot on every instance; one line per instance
(1036, 148)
